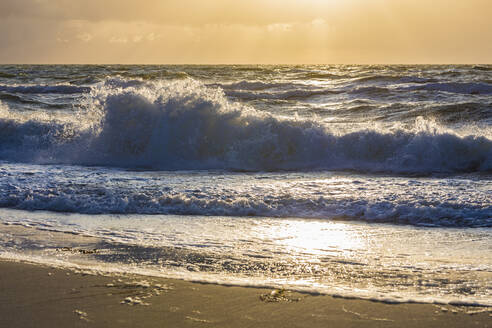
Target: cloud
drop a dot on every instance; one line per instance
(118, 39)
(85, 37)
(137, 38)
(171, 12)
(279, 27)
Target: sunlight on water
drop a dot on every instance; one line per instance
(365, 181)
(344, 258)
(313, 237)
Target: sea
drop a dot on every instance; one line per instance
(371, 182)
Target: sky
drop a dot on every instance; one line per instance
(246, 31)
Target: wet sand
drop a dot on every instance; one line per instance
(39, 296)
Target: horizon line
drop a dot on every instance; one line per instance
(247, 64)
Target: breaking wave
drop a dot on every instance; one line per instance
(99, 199)
(185, 125)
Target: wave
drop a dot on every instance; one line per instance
(155, 75)
(457, 87)
(93, 198)
(56, 89)
(460, 112)
(15, 98)
(321, 76)
(244, 68)
(482, 67)
(370, 91)
(6, 75)
(183, 125)
(394, 78)
(253, 85)
(296, 94)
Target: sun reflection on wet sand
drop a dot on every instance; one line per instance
(314, 238)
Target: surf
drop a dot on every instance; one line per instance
(185, 125)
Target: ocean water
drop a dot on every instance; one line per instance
(357, 181)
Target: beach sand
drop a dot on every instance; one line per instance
(32, 295)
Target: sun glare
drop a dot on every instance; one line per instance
(314, 237)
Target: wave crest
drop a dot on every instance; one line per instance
(99, 199)
(186, 125)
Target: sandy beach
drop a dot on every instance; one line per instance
(39, 296)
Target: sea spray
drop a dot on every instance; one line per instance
(186, 125)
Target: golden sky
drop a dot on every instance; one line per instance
(245, 31)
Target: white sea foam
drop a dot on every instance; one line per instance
(185, 125)
(454, 202)
(391, 263)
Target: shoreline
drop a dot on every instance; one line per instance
(79, 252)
(36, 295)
